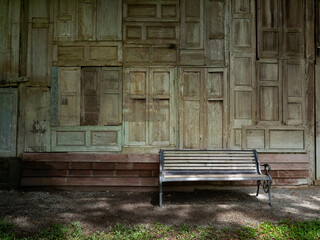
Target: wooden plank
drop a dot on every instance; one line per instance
(90, 96)
(208, 157)
(86, 138)
(284, 158)
(44, 173)
(287, 139)
(269, 28)
(110, 96)
(37, 120)
(150, 11)
(289, 174)
(79, 181)
(290, 166)
(54, 95)
(69, 96)
(86, 20)
(109, 19)
(162, 108)
(39, 43)
(91, 157)
(44, 165)
(87, 53)
(215, 32)
(64, 20)
(270, 91)
(293, 28)
(211, 168)
(190, 108)
(8, 121)
(5, 40)
(317, 110)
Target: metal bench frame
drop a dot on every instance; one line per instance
(211, 173)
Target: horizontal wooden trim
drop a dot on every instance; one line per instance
(87, 181)
(85, 157)
(92, 188)
(44, 173)
(284, 174)
(289, 166)
(283, 158)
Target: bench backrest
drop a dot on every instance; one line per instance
(209, 161)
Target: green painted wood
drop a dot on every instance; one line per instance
(8, 121)
(54, 77)
(86, 138)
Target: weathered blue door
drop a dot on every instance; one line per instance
(8, 121)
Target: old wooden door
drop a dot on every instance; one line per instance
(202, 102)
(8, 122)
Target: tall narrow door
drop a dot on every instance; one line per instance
(202, 99)
(8, 122)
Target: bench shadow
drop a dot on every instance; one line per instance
(205, 197)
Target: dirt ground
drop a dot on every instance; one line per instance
(32, 211)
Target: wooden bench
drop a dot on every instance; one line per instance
(213, 165)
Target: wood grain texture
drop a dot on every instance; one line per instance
(8, 121)
(149, 106)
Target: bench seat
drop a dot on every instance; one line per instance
(216, 177)
(213, 165)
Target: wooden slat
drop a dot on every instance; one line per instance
(207, 155)
(87, 181)
(182, 152)
(214, 176)
(208, 165)
(210, 168)
(208, 158)
(211, 161)
(90, 157)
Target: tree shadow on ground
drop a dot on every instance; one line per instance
(32, 211)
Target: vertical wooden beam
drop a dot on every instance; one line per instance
(23, 37)
(317, 95)
(21, 119)
(54, 91)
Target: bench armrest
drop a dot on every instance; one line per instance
(267, 168)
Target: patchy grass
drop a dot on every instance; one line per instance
(287, 229)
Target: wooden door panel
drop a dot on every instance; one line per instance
(110, 96)
(159, 118)
(109, 20)
(269, 28)
(269, 103)
(69, 96)
(191, 125)
(294, 92)
(86, 22)
(136, 106)
(191, 107)
(37, 120)
(136, 119)
(215, 116)
(162, 112)
(8, 122)
(64, 22)
(151, 11)
(90, 96)
(215, 125)
(149, 109)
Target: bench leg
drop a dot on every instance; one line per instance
(258, 187)
(269, 193)
(160, 194)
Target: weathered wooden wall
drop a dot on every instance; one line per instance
(135, 76)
